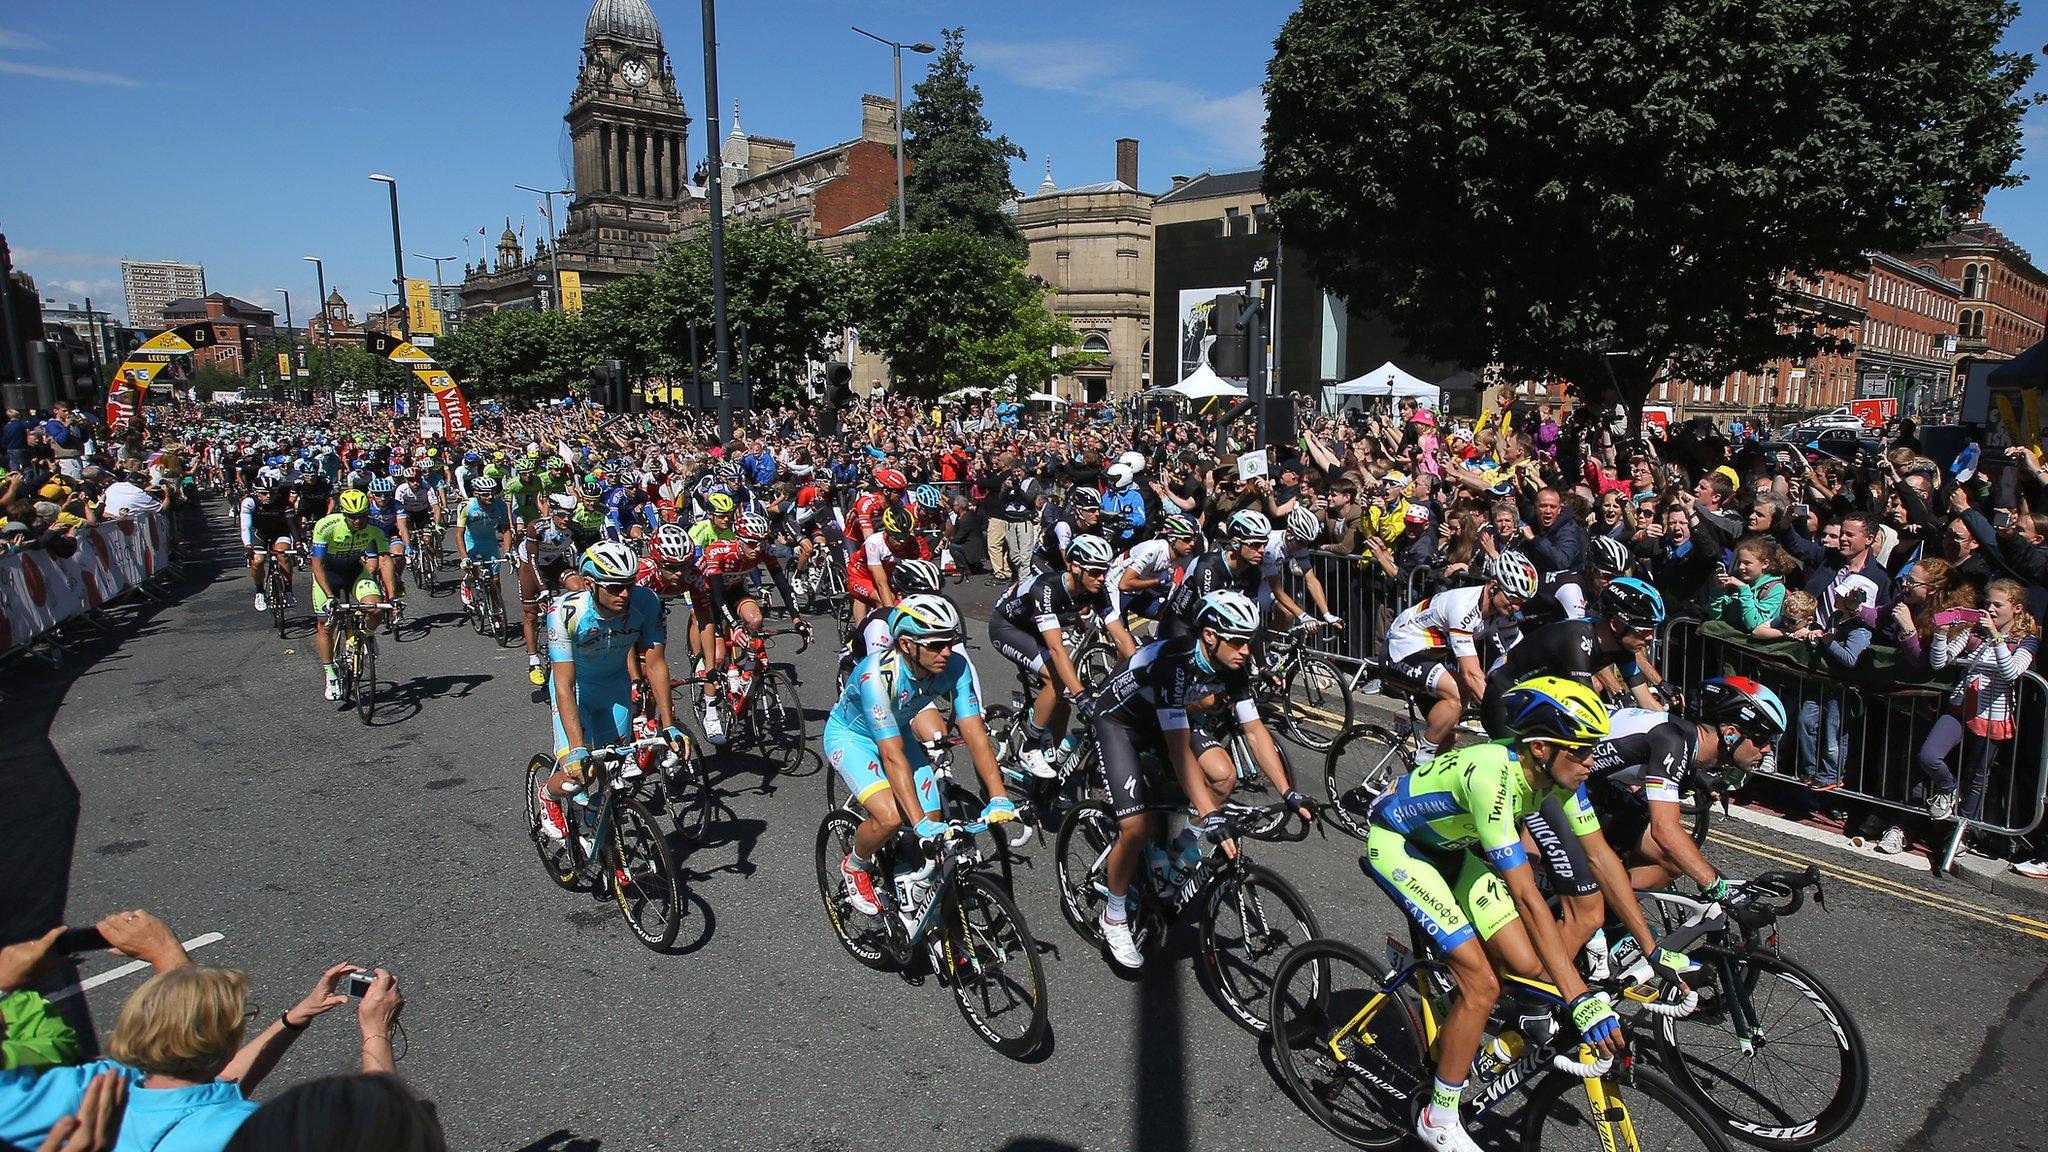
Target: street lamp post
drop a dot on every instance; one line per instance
(714, 199)
(554, 265)
(289, 380)
(326, 322)
(397, 249)
(896, 52)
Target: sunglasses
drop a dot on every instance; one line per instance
(937, 644)
(1233, 641)
(614, 585)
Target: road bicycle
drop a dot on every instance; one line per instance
(1771, 1052)
(355, 652)
(484, 598)
(613, 843)
(823, 580)
(1354, 1042)
(680, 779)
(428, 555)
(1247, 916)
(937, 900)
(277, 587)
(758, 705)
(1302, 694)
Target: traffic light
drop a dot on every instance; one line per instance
(1230, 350)
(838, 394)
(608, 386)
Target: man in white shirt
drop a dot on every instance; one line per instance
(123, 498)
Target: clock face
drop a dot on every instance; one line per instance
(635, 73)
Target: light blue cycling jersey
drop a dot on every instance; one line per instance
(598, 644)
(481, 525)
(883, 693)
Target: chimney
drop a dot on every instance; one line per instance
(878, 119)
(1127, 161)
(1178, 183)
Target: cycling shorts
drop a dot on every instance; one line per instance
(1449, 911)
(363, 587)
(1124, 763)
(605, 709)
(1024, 649)
(1559, 851)
(1145, 602)
(706, 613)
(858, 760)
(1423, 671)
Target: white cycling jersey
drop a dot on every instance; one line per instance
(1452, 620)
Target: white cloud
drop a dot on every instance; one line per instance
(47, 257)
(101, 287)
(20, 41)
(73, 75)
(1232, 124)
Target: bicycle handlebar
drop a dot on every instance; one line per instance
(1238, 815)
(1779, 893)
(803, 635)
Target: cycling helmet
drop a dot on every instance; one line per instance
(1555, 708)
(1249, 525)
(1179, 527)
(382, 486)
(1632, 602)
(609, 562)
(751, 526)
(1515, 573)
(1610, 556)
(561, 503)
(1303, 524)
(303, 467)
(1090, 554)
(911, 577)
(673, 540)
(557, 465)
(896, 522)
(928, 496)
(729, 474)
(485, 487)
(472, 459)
(353, 503)
(1750, 707)
(1231, 614)
(720, 504)
(925, 618)
(891, 479)
(266, 483)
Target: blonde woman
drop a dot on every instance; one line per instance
(1991, 650)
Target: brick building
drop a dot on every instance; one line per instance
(238, 327)
(2003, 308)
(828, 194)
(1908, 338)
(1787, 387)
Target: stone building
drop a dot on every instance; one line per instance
(1092, 245)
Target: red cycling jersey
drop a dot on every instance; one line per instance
(885, 550)
(867, 513)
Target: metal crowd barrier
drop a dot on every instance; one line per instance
(1363, 597)
(1880, 732)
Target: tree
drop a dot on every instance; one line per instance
(959, 174)
(1574, 189)
(1022, 349)
(512, 353)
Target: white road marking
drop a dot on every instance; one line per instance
(130, 968)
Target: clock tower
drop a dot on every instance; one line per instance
(629, 136)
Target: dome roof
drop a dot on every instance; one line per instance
(629, 19)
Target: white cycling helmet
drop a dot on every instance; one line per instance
(1248, 525)
(925, 617)
(912, 577)
(610, 562)
(1303, 524)
(1230, 613)
(672, 539)
(561, 503)
(751, 526)
(1610, 555)
(1091, 553)
(1515, 573)
(485, 487)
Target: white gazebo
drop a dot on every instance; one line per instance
(1389, 382)
(1204, 384)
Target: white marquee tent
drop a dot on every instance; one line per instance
(1203, 383)
(1389, 381)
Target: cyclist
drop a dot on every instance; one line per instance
(349, 555)
(1139, 580)
(547, 551)
(1285, 549)
(1155, 701)
(867, 575)
(1237, 565)
(312, 496)
(719, 510)
(1630, 611)
(1571, 595)
(1445, 844)
(484, 524)
(669, 566)
(1651, 759)
(1433, 646)
(889, 485)
(891, 691)
(410, 497)
(1027, 625)
(267, 534)
(592, 636)
(1060, 524)
(724, 604)
(913, 577)
(383, 492)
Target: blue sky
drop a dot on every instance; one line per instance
(241, 135)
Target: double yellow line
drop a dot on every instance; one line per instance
(2010, 921)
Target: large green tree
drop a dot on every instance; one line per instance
(513, 353)
(1620, 185)
(959, 172)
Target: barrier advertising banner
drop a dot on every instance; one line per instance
(39, 591)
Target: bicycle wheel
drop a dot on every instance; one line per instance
(503, 634)
(687, 787)
(1771, 1053)
(279, 589)
(1361, 762)
(1250, 921)
(1317, 707)
(1349, 1051)
(864, 936)
(993, 965)
(557, 856)
(366, 679)
(642, 874)
(1096, 664)
(776, 713)
(1642, 1111)
(1080, 854)
(476, 610)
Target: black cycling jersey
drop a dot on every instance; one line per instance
(1027, 606)
(273, 504)
(1056, 530)
(1565, 648)
(1153, 688)
(313, 492)
(1201, 575)
(1650, 755)
(1545, 607)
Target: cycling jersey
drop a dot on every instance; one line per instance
(1148, 560)
(1559, 596)
(481, 526)
(312, 492)
(885, 550)
(867, 514)
(882, 694)
(598, 644)
(1160, 680)
(1647, 750)
(341, 550)
(1201, 575)
(546, 546)
(412, 498)
(1452, 620)
(1055, 531)
(705, 533)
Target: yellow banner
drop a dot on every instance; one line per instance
(436, 380)
(420, 314)
(572, 291)
(284, 365)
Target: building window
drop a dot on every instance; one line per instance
(1096, 343)
(1145, 363)
(1970, 284)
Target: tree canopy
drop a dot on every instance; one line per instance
(959, 173)
(1569, 189)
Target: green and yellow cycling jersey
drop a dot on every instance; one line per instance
(335, 543)
(522, 494)
(1475, 797)
(705, 533)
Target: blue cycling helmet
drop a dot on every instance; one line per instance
(928, 496)
(1631, 601)
(471, 458)
(382, 486)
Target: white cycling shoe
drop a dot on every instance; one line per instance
(333, 686)
(1036, 763)
(262, 602)
(1123, 947)
(1450, 1139)
(714, 728)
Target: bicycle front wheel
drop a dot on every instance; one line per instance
(1359, 766)
(864, 935)
(1081, 859)
(1644, 1112)
(557, 856)
(366, 679)
(642, 875)
(1251, 920)
(776, 713)
(1318, 707)
(1347, 1047)
(994, 967)
(1771, 1053)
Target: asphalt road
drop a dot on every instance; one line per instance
(214, 787)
